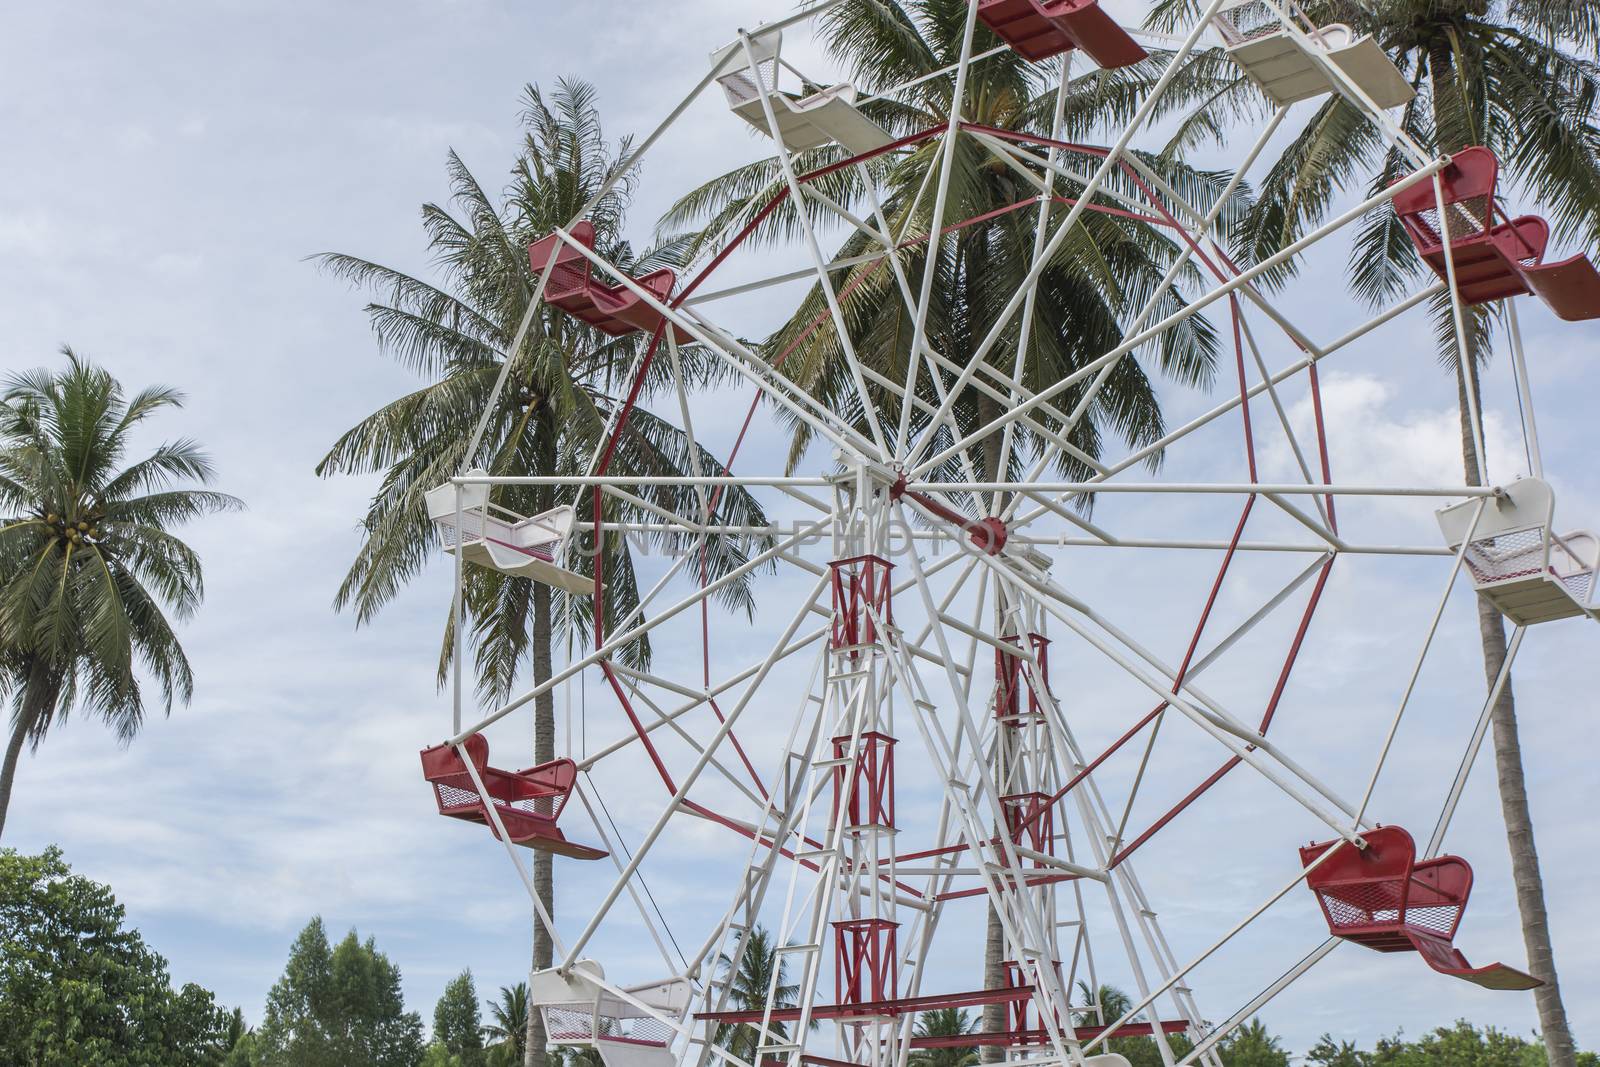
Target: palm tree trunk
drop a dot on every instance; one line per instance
(1453, 134)
(1514, 809)
(994, 946)
(544, 750)
(994, 977)
(40, 691)
(8, 771)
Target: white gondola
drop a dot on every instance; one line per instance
(579, 1012)
(1288, 66)
(819, 117)
(1517, 563)
(502, 540)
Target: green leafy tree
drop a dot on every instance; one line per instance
(337, 1006)
(565, 382)
(945, 1022)
(457, 1025)
(243, 1053)
(89, 566)
(1518, 76)
(237, 1030)
(1252, 1045)
(1327, 1053)
(761, 968)
(507, 1029)
(1461, 1045)
(577, 1056)
(78, 987)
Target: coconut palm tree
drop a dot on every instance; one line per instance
(564, 384)
(1519, 77)
(1107, 270)
(752, 979)
(507, 1029)
(945, 1022)
(90, 569)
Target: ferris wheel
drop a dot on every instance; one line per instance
(940, 568)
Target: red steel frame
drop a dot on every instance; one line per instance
(890, 1006)
(860, 582)
(866, 786)
(865, 961)
(1019, 1012)
(1030, 820)
(1009, 682)
(1017, 1038)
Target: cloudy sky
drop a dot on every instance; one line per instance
(170, 166)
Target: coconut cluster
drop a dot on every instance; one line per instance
(72, 530)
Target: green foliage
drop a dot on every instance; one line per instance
(507, 1027)
(437, 1055)
(456, 1023)
(77, 987)
(945, 1022)
(1327, 1053)
(574, 1056)
(337, 1007)
(1252, 1046)
(761, 968)
(1139, 1051)
(1461, 1045)
(243, 1054)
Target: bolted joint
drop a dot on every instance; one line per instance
(988, 535)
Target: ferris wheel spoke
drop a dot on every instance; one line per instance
(1318, 565)
(1239, 739)
(637, 695)
(645, 915)
(621, 640)
(1112, 158)
(1289, 435)
(686, 417)
(1030, 302)
(1193, 308)
(794, 645)
(947, 146)
(680, 794)
(819, 262)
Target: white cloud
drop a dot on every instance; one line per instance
(1377, 438)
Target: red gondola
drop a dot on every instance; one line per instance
(528, 801)
(611, 309)
(1383, 897)
(1039, 29)
(1494, 257)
